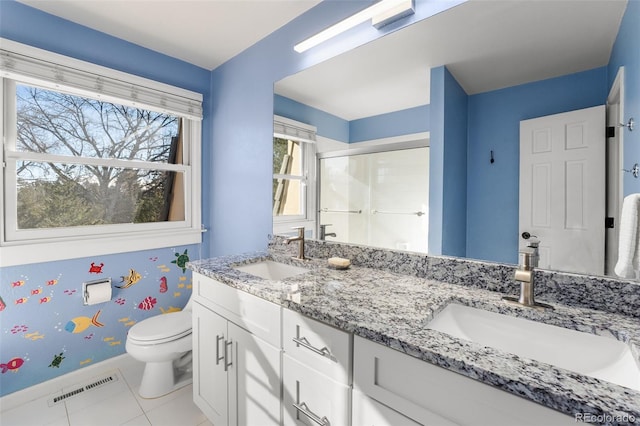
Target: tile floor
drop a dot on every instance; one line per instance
(114, 403)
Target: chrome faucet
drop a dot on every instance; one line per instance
(323, 231)
(525, 274)
(300, 239)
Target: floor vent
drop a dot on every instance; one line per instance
(81, 389)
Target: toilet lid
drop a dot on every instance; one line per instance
(162, 327)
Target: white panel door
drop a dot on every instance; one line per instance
(562, 188)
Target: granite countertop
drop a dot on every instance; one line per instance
(393, 309)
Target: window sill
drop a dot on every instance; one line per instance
(26, 253)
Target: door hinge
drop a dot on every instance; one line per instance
(611, 132)
(609, 222)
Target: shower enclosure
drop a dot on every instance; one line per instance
(376, 196)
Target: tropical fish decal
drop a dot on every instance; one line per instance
(22, 300)
(95, 269)
(34, 336)
(163, 268)
(21, 328)
(57, 360)
(2, 305)
(80, 324)
(36, 291)
(12, 365)
(181, 260)
(130, 279)
(171, 309)
(17, 283)
(163, 285)
(52, 282)
(45, 299)
(148, 303)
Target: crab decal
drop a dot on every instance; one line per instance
(96, 269)
(57, 360)
(181, 260)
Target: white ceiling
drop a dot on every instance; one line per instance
(206, 33)
(486, 44)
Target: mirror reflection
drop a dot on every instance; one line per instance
(461, 82)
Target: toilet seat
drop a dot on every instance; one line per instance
(161, 328)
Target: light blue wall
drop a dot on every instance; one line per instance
(42, 312)
(239, 212)
(34, 310)
(447, 165)
(397, 123)
(494, 123)
(404, 122)
(327, 125)
(627, 53)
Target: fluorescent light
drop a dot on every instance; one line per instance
(382, 12)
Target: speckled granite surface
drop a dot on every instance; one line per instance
(392, 304)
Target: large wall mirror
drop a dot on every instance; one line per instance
(504, 55)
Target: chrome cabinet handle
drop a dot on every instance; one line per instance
(228, 363)
(302, 341)
(302, 407)
(218, 357)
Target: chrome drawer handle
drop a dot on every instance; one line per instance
(228, 364)
(324, 421)
(218, 357)
(302, 341)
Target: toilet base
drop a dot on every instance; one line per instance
(162, 378)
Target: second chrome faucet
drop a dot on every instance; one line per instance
(300, 239)
(525, 274)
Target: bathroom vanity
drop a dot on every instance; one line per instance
(354, 347)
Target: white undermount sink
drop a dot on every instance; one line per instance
(588, 354)
(271, 270)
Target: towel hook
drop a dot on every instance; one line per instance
(629, 124)
(635, 171)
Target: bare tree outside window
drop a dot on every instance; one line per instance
(64, 193)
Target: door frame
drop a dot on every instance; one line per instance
(614, 161)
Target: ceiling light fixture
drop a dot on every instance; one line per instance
(381, 13)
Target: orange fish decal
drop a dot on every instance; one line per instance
(36, 291)
(52, 282)
(45, 299)
(21, 300)
(17, 283)
(80, 324)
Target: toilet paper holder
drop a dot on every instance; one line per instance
(96, 291)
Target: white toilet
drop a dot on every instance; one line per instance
(163, 342)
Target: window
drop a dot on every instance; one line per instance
(94, 155)
(293, 173)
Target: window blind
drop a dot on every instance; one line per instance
(35, 66)
(283, 128)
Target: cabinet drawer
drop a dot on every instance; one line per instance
(434, 395)
(369, 412)
(317, 345)
(311, 398)
(250, 312)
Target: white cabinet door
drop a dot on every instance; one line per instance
(255, 380)
(434, 395)
(209, 374)
(311, 398)
(369, 412)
